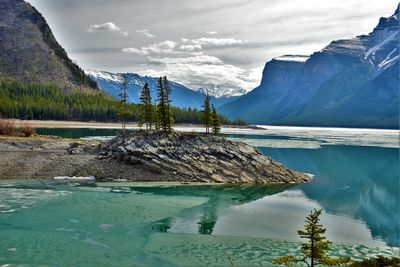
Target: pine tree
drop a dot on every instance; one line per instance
(147, 109)
(215, 123)
(123, 96)
(315, 250)
(207, 113)
(169, 110)
(161, 107)
(164, 108)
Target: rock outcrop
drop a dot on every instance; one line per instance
(197, 158)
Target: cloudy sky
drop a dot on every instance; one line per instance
(225, 42)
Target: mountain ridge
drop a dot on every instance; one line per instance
(349, 83)
(29, 51)
(181, 96)
(218, 92)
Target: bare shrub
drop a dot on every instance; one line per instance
(7, 127)
(27, 130)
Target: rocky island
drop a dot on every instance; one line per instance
(144, 156)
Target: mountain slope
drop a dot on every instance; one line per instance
(352, 83)
(30, 53)
(181, 96)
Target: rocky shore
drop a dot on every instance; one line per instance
(144, 156)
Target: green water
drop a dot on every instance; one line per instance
(49, 223)
(55, 224)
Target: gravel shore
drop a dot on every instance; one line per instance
(142, 157)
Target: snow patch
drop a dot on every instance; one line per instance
(104, 75)
(294, 58)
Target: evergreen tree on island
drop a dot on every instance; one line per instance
(164, 105)
(207, 116)
(123, 100)
(147, 107)
(215, 123)
(315, 250)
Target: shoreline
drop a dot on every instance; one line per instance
(112, 125)
(176, 158)
(183, 126)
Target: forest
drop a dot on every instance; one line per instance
(52, 102)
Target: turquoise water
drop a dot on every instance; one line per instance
(49, 223)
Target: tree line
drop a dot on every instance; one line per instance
(53, 102)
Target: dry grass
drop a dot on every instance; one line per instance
(27, 130)
(9, 128)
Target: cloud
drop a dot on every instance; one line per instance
(197, 59)
(212, 32)
(108, 26)
(146, 33)
(217, 41)
(165, 47)
(266, 29)
(190, 47)
(198, 70)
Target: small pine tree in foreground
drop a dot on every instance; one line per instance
(315, 250)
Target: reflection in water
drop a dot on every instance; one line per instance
(207, 223)
(160, 226)
(206, 215)
(359, 182)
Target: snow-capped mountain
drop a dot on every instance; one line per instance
(379, 49)
(352, 83)
(181, 96)
(218, 91)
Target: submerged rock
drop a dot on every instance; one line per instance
(197, 158)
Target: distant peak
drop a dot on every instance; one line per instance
(293, 58)
(396, 13)
(220, 91)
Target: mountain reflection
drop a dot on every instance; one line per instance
(360, 182)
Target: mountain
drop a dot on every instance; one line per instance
(181, 96)
(349, 83)
(218, 92)
(30, 53)
(37, 78)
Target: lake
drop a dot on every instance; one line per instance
(356, 183)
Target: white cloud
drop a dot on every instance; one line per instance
(185, 40)
(196, 71)
(146, 33)
(108, 26)
(190, 47)
(132, 50)
(165, 47)
(212, 32)
(217, 41)
(198, 59)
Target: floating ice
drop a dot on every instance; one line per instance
(313, 137)
(76, 178)
(14, 199)
(280, 143)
